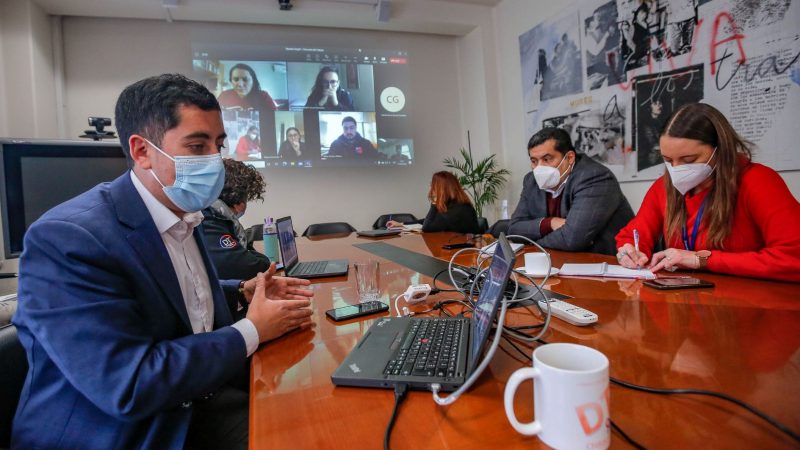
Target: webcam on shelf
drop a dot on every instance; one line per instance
(286, 5)
(98, 134)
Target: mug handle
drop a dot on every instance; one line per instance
(531, 428)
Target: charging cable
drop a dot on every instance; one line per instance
(416, 293)
(399, 394)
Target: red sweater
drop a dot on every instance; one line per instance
(765, 237)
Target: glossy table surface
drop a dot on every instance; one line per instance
(740, 338)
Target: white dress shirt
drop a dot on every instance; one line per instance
(189, 267)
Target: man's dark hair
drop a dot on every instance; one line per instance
(243, 183)
(561, 138)
(150, 107)
(349, 119)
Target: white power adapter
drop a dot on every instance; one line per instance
(417, 293)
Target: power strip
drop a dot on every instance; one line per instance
(571, 313)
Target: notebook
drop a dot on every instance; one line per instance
(423, 351)
(310, 269)
(605, 270)
(414, 227)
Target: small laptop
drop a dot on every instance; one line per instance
(310, 269)
(422, 351)
(378, 233)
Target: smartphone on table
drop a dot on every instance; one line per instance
(678, 283)
(360, 309)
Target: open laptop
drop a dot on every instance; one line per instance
(423, 351)
(310, 269)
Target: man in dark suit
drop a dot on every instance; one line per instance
(127, 328)
(569, 201)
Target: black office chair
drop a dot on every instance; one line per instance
(255, 233)
(483, 225)
(380, 222)
(317, 229)
(13, 370)
(501, 226)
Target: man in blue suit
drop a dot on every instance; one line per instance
(127, 328)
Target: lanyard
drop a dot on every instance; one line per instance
(689, 244)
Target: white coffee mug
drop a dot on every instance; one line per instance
(537, 263)
(570, 397)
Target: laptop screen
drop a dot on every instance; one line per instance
(286, 242)
(492, 290)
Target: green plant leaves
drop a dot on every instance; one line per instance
(482, 180)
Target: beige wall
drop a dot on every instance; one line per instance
(134, 49)
(512, 18)
(28, 100)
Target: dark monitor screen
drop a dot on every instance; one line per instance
(36, 175)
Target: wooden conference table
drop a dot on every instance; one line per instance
(740, 338)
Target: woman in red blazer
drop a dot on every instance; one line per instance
(716, 209)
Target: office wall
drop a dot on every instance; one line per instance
(28, 100)
(102, 56)
(512, 18)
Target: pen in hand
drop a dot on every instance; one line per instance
(8, 275)
(636, 246)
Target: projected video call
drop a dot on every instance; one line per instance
(310, 107)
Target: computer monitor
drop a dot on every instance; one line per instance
(36, 175)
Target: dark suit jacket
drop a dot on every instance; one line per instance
(113, 361)
(229, 256)
(592, 203)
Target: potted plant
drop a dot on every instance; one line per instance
(483, 180)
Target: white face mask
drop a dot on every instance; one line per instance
(548, 177)
(686, 177)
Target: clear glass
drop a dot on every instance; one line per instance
(367, 278)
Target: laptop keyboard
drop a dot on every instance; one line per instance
(430, 349)
(308, 268)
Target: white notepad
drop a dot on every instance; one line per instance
(605, 270)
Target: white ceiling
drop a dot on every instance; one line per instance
(448, 17)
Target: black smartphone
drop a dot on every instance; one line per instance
(678, 283)
(361, 309)
(458, 245)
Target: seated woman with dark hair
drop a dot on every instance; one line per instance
(246, 93)
(232, 255)
(327, 94)
(451, 209)
(293, 148)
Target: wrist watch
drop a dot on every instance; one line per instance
(702, 258)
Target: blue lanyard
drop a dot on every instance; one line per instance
(689, 244)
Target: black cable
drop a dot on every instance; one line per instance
(433, 283)
(626, 437)
(399, 394)
(783, 428)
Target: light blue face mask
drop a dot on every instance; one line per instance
(198, 180)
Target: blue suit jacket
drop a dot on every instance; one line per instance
(113, 361)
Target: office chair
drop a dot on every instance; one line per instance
(483, 225)
(255, 233)
(380, 222)
(12, 376)
(317, 229)
(501, 226)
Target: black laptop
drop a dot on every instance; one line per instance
(310, 269)
(424, 351)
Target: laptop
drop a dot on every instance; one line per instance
(310, 269)
(378, 233)
(422, 351)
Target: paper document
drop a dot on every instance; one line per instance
(515, 246)
(408, 227)
(605, 270)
